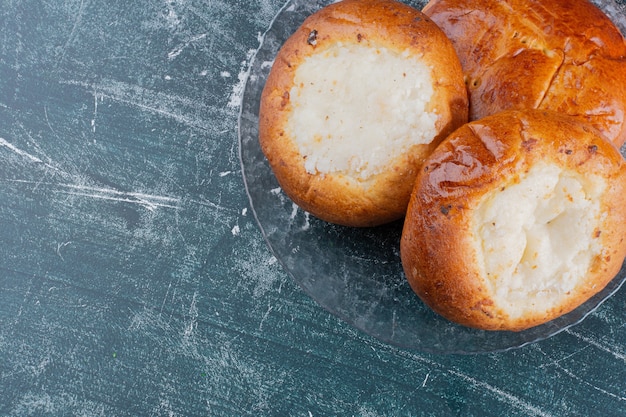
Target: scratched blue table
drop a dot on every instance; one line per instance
(134, 279)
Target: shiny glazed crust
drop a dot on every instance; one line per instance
(337, 197)
(559, 55)
(438, 256)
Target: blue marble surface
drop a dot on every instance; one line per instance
(134, 280)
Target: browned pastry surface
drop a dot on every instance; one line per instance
(345, 120)
(561, 55)
(516, 219)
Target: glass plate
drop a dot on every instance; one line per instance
(356, 274)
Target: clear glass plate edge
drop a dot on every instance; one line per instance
(596, 301)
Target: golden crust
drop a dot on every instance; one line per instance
(565, 56)
(340, 198)
(436, 250)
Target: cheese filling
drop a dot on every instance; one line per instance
(538, 237)
(355, 108)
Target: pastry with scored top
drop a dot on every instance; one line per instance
(560, 55)
(356, 99)
(516, 219)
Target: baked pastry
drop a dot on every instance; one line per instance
(355, 100)
(516, 219)
(561, 55)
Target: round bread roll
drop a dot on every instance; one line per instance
(355, 100)
(561, 55)
(516, 219)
